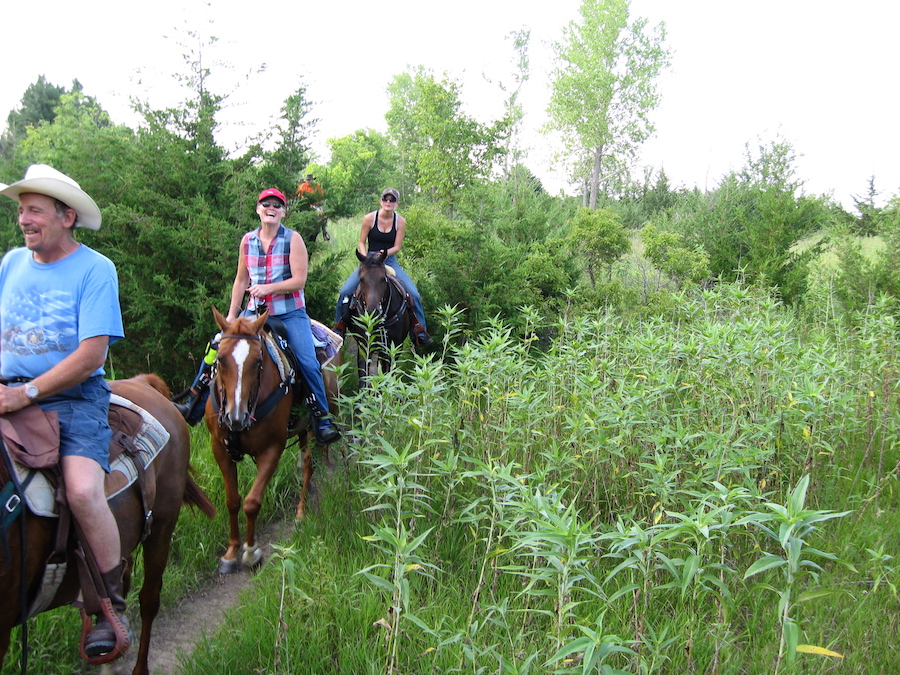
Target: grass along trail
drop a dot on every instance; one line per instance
(179, 628)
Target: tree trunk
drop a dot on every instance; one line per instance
(595, 177)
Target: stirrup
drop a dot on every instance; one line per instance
(111, 641)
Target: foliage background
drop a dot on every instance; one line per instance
(659, 435)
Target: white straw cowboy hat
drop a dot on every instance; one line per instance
(45, 180)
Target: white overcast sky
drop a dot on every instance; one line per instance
(820, 74)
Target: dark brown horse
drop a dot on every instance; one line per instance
(248, 413)
(174, 486)
(381, 295)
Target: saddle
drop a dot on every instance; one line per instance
(327, 344)
(137, 439)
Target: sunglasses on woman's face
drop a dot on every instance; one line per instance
(388, 199)
(272, 205)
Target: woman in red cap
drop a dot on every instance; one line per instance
(272, 268)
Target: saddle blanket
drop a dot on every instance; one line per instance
(147, 441)
(326, 339)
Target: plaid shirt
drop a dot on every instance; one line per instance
(269, 267)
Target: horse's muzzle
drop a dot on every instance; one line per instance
(235, 422)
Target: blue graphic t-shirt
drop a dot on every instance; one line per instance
(47, 309)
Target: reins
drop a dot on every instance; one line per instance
(255, 409)
(8, 511)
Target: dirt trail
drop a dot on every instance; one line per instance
(178, 628)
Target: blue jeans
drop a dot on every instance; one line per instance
(391, 261)
(300, 339)
(83, 412)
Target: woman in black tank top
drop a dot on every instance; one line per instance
(384, 230)
(382, 241)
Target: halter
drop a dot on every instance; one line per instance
(394, 287)
(255, 409)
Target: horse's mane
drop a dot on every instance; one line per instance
(243, 325)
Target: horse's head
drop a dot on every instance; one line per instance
(372, 281)
(239, 366)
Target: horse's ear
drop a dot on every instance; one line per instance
(361, 257)
(217, 315)
(382, 256)
(261, 321)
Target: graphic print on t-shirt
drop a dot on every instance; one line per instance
(37, 325)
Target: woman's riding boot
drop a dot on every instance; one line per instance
(102, 638)
(195, 403)
(326, 434)
(416, 330)
(324, 429)
(420, 336)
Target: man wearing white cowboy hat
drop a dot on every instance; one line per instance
(59, 312)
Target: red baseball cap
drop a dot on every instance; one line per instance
(272, 192)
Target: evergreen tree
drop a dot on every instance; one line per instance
(870, 215)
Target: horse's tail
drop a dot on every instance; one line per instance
(156, 382)
(194, 496)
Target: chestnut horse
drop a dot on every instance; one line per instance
(248, 413)
(174, 486)
(382, 295)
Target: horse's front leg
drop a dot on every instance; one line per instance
(266, 464)
(228, 563)
(306, 460)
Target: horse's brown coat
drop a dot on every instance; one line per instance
(174, 486)
(262, 439)
(383, 295)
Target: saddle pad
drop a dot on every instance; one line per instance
(327, 339)
(152, 436)
(149, 440)
(285, 370)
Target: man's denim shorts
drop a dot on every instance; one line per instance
(83, 420)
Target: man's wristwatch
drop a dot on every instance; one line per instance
(32, 392)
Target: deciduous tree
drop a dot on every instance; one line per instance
(361, 164)
(441, 148)
(600, 238)
(604, 89)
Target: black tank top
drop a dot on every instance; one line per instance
(379, 240)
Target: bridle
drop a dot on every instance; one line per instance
(219, 396)
(392, 290)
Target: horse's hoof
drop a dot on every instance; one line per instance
(252, 556)
(229, 566)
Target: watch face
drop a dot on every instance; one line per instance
(31, 392)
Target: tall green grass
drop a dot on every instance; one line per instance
(714, 493)
(344, 235)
